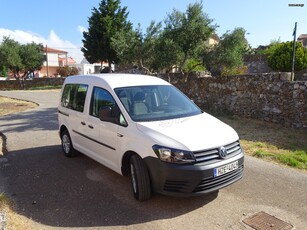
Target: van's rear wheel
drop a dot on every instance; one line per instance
(139, 178)
(67, 146)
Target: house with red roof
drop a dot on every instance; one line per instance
(54, 59)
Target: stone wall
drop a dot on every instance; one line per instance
(36, 82)
(269, 97)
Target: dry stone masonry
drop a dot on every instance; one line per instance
(269, 97)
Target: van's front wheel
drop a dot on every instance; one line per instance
(139, 178)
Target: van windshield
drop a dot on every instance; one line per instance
(156, 102)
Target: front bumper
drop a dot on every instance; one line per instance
(190, 180)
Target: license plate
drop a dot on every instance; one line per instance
(226, 168)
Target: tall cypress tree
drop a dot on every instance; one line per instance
(105, 22)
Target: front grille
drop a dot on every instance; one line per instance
(233, 149)
(215, 182)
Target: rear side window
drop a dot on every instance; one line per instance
(73, 96)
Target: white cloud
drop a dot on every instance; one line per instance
(22, 37)
(53, 41)
(81, 29)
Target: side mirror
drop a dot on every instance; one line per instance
(105, 114)
(109, 114)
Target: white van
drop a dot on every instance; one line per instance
(143, 127)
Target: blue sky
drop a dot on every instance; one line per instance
(59, 23)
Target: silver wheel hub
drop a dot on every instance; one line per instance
(66, 143)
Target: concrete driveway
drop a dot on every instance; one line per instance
(58, 192)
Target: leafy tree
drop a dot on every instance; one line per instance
(186, 33)
(138, 48)
(9, 56)
(32, 57)
(227, 56)
(21, 60)
(106, 20)
(180, 41)
(4, 71)
(193, 65)
(270, 49)
(167, 54)
(281, 58)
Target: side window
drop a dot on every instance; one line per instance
(100, 97)
(73, 96)
(80, 98)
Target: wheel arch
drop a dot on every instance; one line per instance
(62, 128)
(126, 162)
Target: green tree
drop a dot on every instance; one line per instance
(19, 59)
(105, 21)
(67, 71)
(167, 53)
(134, 47)
(9, 56)
(270, 49)
(186, 33)
(32, 57)
(4, 71)
(281, 58)
(227, 56)
(193, 65)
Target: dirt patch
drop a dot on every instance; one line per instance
(8, 105)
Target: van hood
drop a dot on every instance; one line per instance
(190, 133)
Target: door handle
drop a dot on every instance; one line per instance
(90, 126)
(83, 123)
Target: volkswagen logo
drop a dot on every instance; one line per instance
(222, 152)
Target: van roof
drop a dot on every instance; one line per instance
(116, 80)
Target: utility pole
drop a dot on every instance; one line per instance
(293, 53)
(294, 41)
(47, 61)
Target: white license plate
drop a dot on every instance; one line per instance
(226, 168)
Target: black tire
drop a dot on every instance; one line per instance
(139, 179)
(67, 145)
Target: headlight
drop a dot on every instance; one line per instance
(173, 155)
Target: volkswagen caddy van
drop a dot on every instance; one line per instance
(143, 127)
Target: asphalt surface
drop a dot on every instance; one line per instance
(57, 192)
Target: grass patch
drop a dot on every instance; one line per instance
(271, 142)
(4, 201)
(46, 87)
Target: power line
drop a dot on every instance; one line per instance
(65, 47)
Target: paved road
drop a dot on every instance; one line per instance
(79, 193)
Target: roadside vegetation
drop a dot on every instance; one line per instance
(271, 142)
(46, 87)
